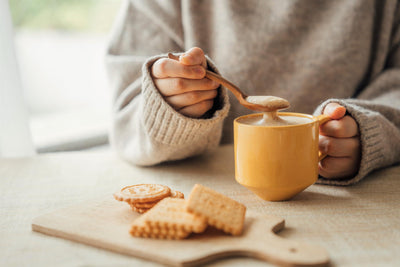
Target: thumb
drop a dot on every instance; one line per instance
(194, 56)
(335, 111)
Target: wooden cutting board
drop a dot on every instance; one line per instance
(105, 224)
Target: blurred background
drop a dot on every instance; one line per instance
(60, 47)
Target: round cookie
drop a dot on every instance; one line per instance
(139, 210)
(149, 205)
(142, 193)
(177, 194)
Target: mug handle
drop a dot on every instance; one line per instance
(322, 119)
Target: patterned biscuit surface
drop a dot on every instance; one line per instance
(177, 194)
(171, 213)
(138, 209)
(220, 211)
(149, 205)
(145, 205)
(140, 193)
(140, 228)
(168, 220)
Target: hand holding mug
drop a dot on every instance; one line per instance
(339, 139)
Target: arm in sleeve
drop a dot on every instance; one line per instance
(377, 112)
(145, 129)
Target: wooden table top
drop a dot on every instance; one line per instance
(358, 225)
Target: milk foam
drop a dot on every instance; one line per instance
(273, 119)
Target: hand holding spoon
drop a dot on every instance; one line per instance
(258, 103)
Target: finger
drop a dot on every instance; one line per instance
(335, 111)
(190, 98)
(343, 128)
(197, 110)
(331, 167)
(175, 86)
(195, 56)
(339, 147)
(165, 68)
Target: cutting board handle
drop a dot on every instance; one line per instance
(261, 242)
(286, 252)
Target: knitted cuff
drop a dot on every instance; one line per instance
(166, 125)
(370, 137)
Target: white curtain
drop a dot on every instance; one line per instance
(15, 138)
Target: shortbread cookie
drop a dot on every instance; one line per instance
(142, 193)
(137, 209)
(139, 228)
(170, 213)
(220, 211)
(168, 220)
(149, 205)
(177, 194)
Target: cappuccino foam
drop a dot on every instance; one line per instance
(271, 119)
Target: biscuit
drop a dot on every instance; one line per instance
(177, 194)
(139, 228)
(219, 210)
(168, 220)
(137, 209)
(142, 193)
(149, 205)
(170, 213)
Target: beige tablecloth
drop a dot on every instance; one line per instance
(358, 225)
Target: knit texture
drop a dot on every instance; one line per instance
(309, 52)
(164, 124)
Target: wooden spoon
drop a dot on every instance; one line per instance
(258, 103)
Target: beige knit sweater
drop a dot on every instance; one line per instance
(309, 52)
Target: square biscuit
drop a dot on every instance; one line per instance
(168, 219)
(170, 213)
(220, 211)
(140, 228)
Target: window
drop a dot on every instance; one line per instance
(60, 47)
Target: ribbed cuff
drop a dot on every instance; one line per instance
(167, 126)
(370, 136)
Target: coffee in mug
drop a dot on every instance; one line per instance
(277, 157)
(273, 119)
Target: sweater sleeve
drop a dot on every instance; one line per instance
(377, 112)
(145, 129)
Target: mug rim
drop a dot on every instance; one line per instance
(312, 118)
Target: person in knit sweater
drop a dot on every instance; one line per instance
(336, 57)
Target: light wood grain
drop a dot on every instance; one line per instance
(105, 224)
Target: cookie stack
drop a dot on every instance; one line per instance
(168, 220)
(174, 218)
(142, 197)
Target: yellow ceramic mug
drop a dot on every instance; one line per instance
(277, 162)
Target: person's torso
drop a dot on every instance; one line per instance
(304, 51)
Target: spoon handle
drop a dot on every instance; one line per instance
(218, 78)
